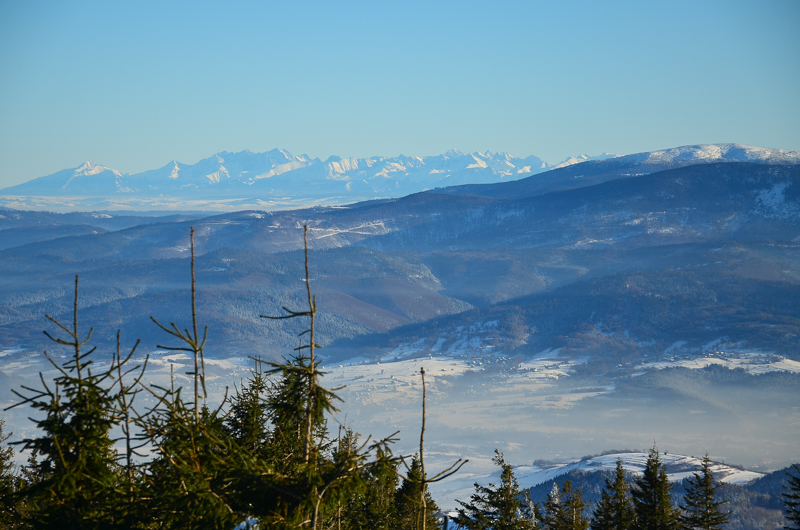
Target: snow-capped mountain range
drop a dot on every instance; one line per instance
(279, 173)
(277, 178)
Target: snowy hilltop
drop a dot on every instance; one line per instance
(678, 467)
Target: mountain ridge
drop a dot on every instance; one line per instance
(446, 244)
(247, 168)
(277, 179)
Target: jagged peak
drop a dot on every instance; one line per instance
(91, 168)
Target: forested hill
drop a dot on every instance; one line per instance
(715, 230)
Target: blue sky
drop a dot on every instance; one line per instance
(133, 85)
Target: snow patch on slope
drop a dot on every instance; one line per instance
(772, 204)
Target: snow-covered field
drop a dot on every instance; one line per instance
(386, 382)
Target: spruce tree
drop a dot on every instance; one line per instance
(248, 415)
(407, 500)
(8, 481)
(614, 510)
(425, 508)
(303, 478)
(572, 507)
(563, 510)
(701, 510)
(652, 497)
(501, 507)
(284, 485)
(74, 459)
(551, 516)
(792, 498)
(371, 506)
(132, 482)
(190, 480)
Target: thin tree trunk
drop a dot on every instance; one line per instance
(195, 345)
(312, 310)
(422, 455)
(126, 428)
(312, 375)
(75, 330)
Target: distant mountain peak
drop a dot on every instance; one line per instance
(90, 168)
(571, 161)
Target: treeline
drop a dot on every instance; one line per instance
(752, 506)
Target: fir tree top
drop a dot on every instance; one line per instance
(701, 509)
(652, 497)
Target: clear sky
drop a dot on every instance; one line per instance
(133, 85)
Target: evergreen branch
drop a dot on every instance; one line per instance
(62, 326)
(55, 365)
(292, 314)
(447, 472)
(88, 337)
(130, 354)
(175, 333)
(60, 452)
(306, 346)
(141, 374)
(203, 365)
(25, 401)
(173, 348)
(203, 342)
(59, 341)
(86, 354)
(222, 404)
